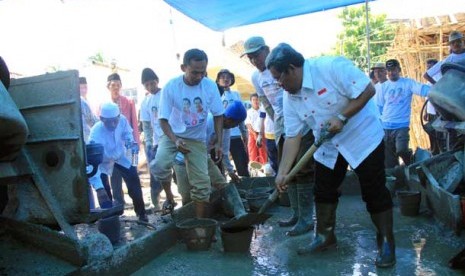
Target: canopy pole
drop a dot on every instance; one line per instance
(367, 34)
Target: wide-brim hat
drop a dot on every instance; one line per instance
(379, 65)
(226, 71)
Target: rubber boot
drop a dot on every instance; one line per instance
(324, 235)
(305, 207)
(293, 199)
(385, 239)
(232, 197)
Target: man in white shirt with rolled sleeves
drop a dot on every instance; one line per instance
(331, 94)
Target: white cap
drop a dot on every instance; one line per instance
(109, 110)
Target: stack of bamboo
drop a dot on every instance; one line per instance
(414, 43)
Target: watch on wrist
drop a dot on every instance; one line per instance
(342, 118)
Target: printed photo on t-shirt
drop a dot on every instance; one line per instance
(193, 115)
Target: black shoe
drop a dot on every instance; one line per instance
(144, 218)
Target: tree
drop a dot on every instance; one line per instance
(352, 41)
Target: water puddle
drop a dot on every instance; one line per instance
(422, 246)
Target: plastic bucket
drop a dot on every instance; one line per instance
(110, 227)
(197, 233)
(409, 202)
(236, 239)
(256, 201)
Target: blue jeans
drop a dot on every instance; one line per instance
(272, 152)
(239, 155)
(132, 180)
(396, 142)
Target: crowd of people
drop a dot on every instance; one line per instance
(198, 131)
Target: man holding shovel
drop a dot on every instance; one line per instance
(330, 93)
(270, 95)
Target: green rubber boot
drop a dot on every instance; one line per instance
(305, 206)
(385, 239)
(293, 199)
(324, 234)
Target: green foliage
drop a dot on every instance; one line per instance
(98, 57)
(352, 40)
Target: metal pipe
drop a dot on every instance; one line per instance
(367, 34)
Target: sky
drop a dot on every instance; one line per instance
(39, 34)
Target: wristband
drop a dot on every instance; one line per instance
(342, 118)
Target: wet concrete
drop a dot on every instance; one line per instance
(424, 247)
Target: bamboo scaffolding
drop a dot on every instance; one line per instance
(414, 43)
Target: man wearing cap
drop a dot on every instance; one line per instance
(128, 109)
(239, 139)
(331, 94)
(379, 70)
(234, 114)
(270, 95)
(185, 135)
(115, 134)
(151, 127)
(457, 54)
(395, 106)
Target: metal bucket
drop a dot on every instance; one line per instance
(236, 239)
(409, 202)
(110, 227)
(197, 233)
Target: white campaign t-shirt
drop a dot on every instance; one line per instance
(149, 113)
(267, 86)
(227, 98)
(186, 107)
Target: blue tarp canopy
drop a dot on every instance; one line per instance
(220, 15)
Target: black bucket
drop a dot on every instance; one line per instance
(94, 156)
(236, 239)
(256, 201)
(409, 202)
(197, 233)
(110, 227)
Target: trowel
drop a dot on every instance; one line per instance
(325, 135)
